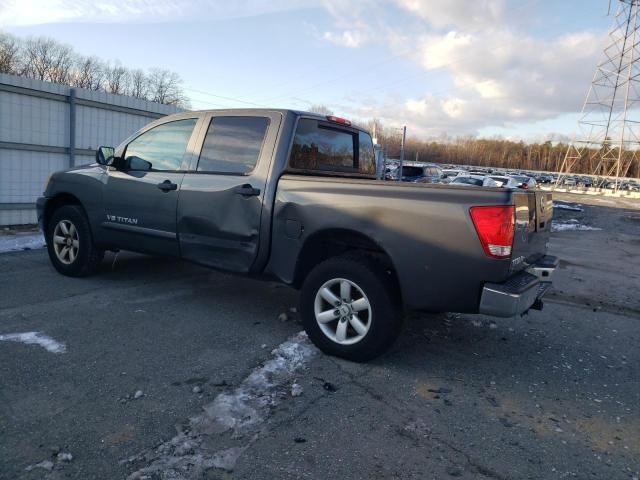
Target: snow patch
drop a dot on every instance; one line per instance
(45, 465)
(13, 243)
(571, 225)
(35, 338)
(240, 412)
(574, 207)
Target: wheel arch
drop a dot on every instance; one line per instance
(57, 201)
(334, 242)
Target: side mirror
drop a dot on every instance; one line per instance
(137, 163)
(104, 155)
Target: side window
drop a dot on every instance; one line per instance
(367, 157)
(319, 147)
(162, 147)
(233, 144)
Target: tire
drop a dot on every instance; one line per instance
(68, 228)
(336, 332)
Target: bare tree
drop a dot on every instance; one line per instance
(138, 84)
(165, 87)
(46, 59)
(321, 109)
(89, 73)
(9, 53)
(116, 79)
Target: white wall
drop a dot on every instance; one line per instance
(35, 134)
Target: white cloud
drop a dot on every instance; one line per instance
(498, 78)
(357, 22)
(515, 74)
(346, 38)
(499, 74)
(475, 14)
(33, 12)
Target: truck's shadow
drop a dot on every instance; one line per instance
(427, 341)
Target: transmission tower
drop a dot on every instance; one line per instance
(608, 134)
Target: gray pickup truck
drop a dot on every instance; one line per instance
(293, 197)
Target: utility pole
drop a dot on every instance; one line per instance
(404, 137)
(609, 126)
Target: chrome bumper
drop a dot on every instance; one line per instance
(520, 292)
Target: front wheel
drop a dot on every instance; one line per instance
(350, 308)
(70, 243)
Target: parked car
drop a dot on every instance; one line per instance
(293, 197)
(544, 179)
(524, 181)
(425, 173)
(569, 182)
(506, 182)
(449, 174)
(474, 181)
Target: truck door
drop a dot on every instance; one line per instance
(221, 199)
(141, 195)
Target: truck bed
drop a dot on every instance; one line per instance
(425, 228)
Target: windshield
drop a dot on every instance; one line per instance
(412, 171)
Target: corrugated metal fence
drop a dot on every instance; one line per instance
(46, 127)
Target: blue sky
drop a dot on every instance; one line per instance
(519, 69)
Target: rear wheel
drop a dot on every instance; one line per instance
(350, 308)
(70, 243)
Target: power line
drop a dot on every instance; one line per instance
(238, 100)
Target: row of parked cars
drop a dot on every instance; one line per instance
(433, 173)
(597, 182)
(586, 181)
(488, 177)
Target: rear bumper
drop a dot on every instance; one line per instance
(520, 292)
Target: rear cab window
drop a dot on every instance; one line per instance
(331, 148)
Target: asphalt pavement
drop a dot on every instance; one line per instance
(154, 349)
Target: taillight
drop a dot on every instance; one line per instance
(495, 226)
(341, 121)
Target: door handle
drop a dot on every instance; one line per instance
(167, 185)
(247, 190)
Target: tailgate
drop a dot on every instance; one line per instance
(534, 210)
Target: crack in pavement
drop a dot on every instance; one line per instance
(475, 465)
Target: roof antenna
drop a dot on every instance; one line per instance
(609, 9)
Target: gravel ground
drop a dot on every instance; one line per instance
(172, 371)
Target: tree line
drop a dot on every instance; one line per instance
(494, 152)
(49, 60)
(503, 154)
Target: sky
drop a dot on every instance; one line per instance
(519, 69)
